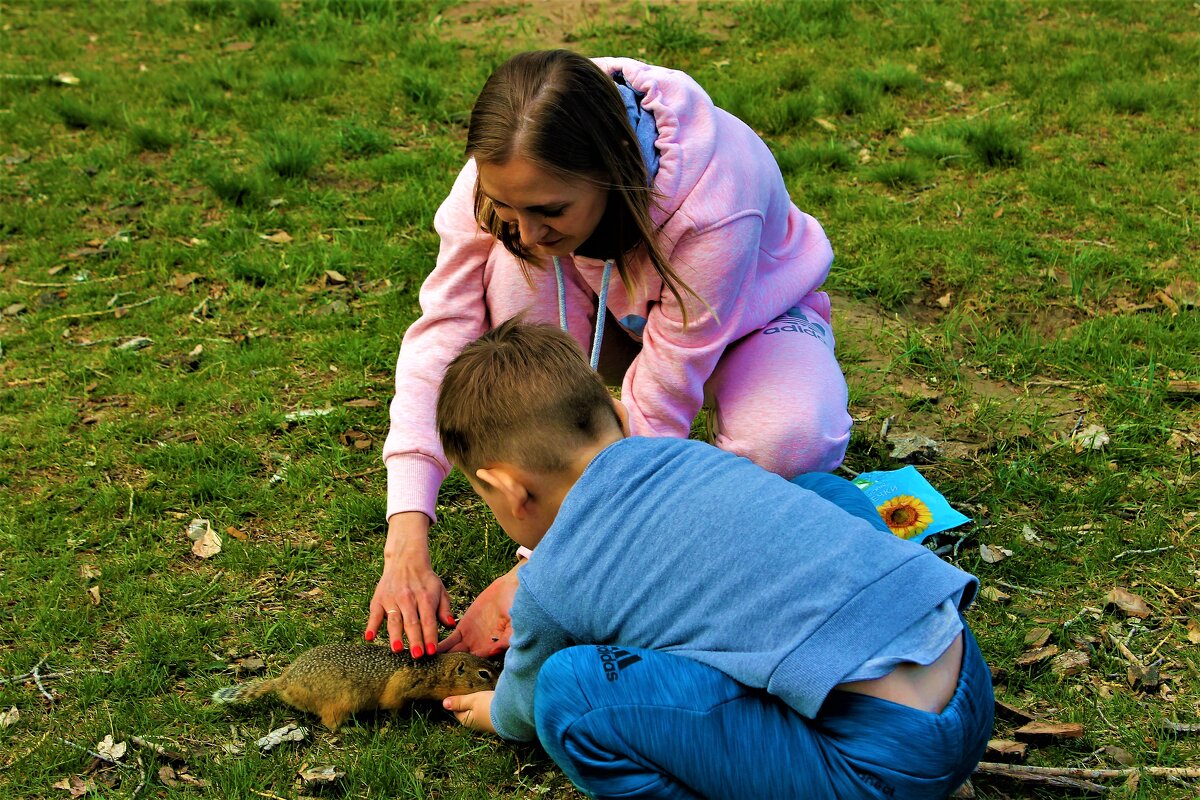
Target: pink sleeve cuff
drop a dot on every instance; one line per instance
(413, 481)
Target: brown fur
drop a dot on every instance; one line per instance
(334, 681)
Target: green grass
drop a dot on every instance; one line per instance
(1009, 188)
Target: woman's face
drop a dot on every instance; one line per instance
(553, 216)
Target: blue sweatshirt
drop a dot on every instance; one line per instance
(675, 545)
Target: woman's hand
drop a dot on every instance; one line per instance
(487, 626)
(410, 594)
(472, 710)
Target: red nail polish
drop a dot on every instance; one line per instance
(453, 621)
(418, 651)
(369, 636)
(397, 646)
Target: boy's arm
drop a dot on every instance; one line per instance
(536, 636)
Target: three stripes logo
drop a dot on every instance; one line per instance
(615, 660)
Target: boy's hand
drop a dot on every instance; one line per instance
(472, 710)
(486, 627)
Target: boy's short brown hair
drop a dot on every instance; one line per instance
(521, 394)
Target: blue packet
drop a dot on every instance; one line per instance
(909, 505)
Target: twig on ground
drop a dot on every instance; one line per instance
(137, 790)
(37, 678)
(1016, 588)
(46, 676)
(1147, 552)
(158, 749)
(94, 754)
(268, 795)
(1181, 727)
(14, 759)
(1182, 773)
(1025, 774)
(347, 475)
(102, 311)
(69, 284)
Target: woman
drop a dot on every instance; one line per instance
(579, 168)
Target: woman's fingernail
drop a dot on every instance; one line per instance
(397, 646)
(446, 704)
(418, 651)
(453, 621)
(369, 636)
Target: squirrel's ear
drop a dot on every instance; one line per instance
(461, 669)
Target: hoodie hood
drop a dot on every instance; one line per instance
(677, 103)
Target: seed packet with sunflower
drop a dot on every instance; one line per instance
(909, 505)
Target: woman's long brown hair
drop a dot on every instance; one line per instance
(561, 112)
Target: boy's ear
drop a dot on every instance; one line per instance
(623, 415)
(509, 484)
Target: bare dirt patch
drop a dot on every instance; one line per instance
(552, 23)
(972, 413)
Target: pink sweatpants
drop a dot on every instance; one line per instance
(779, 396)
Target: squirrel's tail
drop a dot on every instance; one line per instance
(243, 693)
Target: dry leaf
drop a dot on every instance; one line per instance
(994, 594)
(944, 300)
(825, 124)
(94, 595)
(1093, 437)
(197, 528)
(1069, 663)
(1036, 656)
(76, 785)
(363, 403)
(208, 545)
(10, 717)
(1006, 750)
(239, 47)
(65, 79)
(1193, 634)
(89, 572)
(237, 534)
(954, 88)
(993, 554)
(166, 774)
(1040, 731)
(1037, 637)
(334, 278)
(1133, 605)
(113, 751)
(181, 282)
(278, 237)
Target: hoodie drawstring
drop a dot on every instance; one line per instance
(601, 310)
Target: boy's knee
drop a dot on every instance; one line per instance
(559, 695)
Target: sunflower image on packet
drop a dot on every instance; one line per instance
(909, 505)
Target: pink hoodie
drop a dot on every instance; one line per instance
(728, 227)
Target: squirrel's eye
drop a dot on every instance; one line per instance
(483, 673)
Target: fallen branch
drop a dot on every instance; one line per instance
(1034, 775)
(1179, 773)
(1142, 552)
(69, 284)
(101, 312)
(158, 749)
(1181, 727)
(94, 754)
(33, 673)
(345, 476)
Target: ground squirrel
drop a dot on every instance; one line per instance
(334, 681)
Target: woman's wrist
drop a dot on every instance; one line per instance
(408, 536)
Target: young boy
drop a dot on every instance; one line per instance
(691, 625)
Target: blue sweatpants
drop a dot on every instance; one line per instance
(625, 722)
